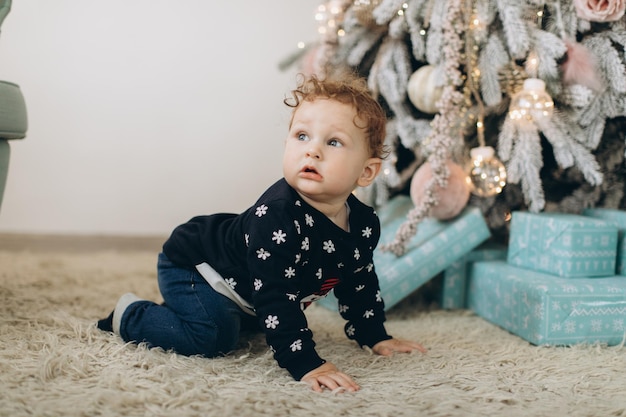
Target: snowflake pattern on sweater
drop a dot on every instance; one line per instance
(281, 255)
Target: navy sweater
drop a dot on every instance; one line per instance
(282, 254)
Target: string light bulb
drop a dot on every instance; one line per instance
(532, 103)
(486, 175)
(329, 16)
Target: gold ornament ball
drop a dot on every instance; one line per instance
(422, 89)
(486, 175)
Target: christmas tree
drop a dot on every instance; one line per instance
(527, 98)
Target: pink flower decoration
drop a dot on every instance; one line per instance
(600, 10)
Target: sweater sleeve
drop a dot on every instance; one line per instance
(360, 300)
(274, 244)
(361, 304)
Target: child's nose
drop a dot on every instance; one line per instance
(313, 151)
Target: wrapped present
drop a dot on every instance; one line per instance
(548, 310)
(453, 290)
(433, 248)
(566, 245)
(618, 219)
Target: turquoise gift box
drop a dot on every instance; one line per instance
(434, 247)
(566, 245)
(548, 310)
(455, 277)
(617, 218)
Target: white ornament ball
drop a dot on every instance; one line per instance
(451, 199)
(423, 90)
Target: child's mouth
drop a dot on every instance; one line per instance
(310, 172)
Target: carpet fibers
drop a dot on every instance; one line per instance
(55, 362)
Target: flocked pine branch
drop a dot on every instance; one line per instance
(415, 25)
(435, 41)
(570, 152)
(394, 71)
(354, 45)
(514, 27)
(412, 131)
(550, 50)
(576, 96)
(364, 42)
(610, 61)
(490, 62)
(386, 11)
(398, 27)
(486, 11)
(506, 139)
(525, 165)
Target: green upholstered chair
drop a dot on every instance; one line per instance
(13, 120)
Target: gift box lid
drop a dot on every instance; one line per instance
(563, 244)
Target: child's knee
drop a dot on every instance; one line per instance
(209, 340)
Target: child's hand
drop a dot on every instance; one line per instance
(327, 375)
(391, 346)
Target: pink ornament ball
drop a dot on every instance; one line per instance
(451, 199)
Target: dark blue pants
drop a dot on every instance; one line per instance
(194, 319)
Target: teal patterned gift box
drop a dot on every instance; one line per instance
(433, 248)
(548, 310)
(566, 245)
(455, 277)
(617, 218)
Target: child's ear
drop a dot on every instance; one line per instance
(370, 171)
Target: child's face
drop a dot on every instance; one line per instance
(326, 156)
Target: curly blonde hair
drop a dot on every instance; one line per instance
(350, 89)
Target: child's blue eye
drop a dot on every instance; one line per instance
(334, 142)
(302, 136)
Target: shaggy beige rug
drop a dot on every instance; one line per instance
(54, 362)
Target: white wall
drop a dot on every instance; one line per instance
(143, 113)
